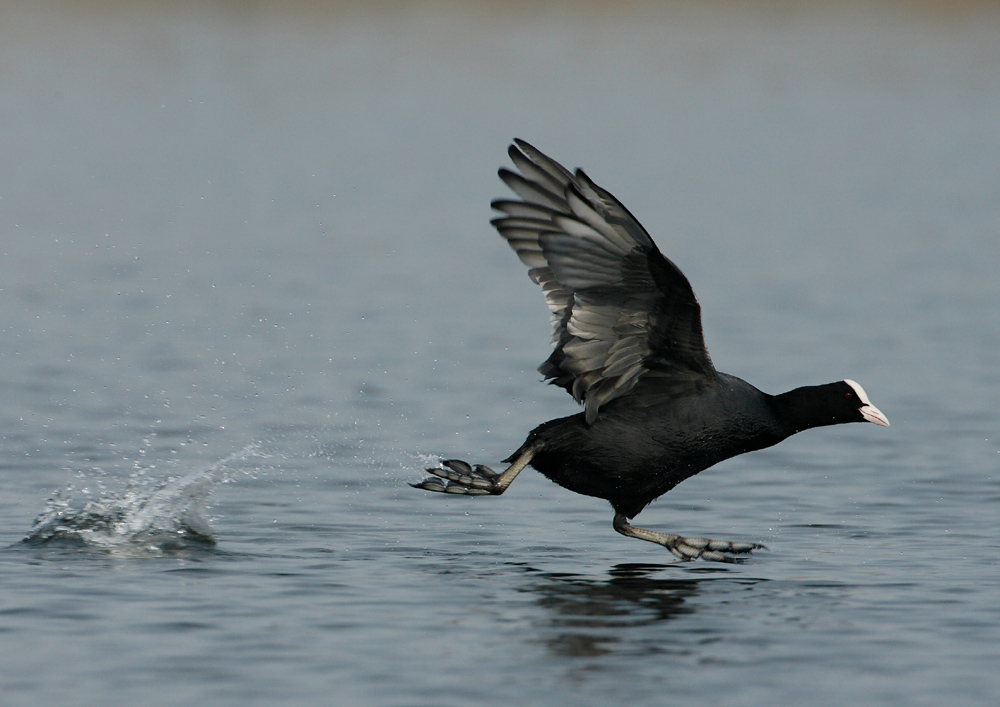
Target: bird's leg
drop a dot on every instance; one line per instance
(688, 548)
(463, 478)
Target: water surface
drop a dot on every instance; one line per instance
(248, 290)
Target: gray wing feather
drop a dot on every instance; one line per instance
(621, 312)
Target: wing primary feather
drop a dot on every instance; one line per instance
(529, 191)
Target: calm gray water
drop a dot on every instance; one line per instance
(248, 289)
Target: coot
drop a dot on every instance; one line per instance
(628, 345)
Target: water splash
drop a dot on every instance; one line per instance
(149, 517)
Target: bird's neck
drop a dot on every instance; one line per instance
(800, 409)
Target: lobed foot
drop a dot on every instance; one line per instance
(459, 477)
(708, 549)
(688, 548)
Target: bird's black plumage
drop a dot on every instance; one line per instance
(628, 345)
(620, 309)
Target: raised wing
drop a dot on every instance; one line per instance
(622, 313)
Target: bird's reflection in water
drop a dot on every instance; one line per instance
(587, 617)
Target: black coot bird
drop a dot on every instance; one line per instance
(628, 345)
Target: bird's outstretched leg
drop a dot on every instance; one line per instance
(688, 548)
(456, 476)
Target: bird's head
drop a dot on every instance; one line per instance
(856, 403)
